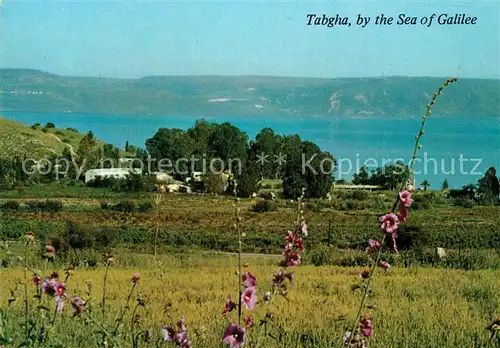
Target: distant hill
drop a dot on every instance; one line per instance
(19, 139)
(36, 91)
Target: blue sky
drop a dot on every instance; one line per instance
(138, 38)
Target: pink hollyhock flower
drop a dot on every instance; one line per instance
(373, 243)
(37, 280)
(385, 265)
(405, 198)
(291, 259)
(182, 340)
(234, 336)
(249, 297)
(248, 279)
(303, 227)
(389, 223)
(293, 240)
(230, 305)
(78, 305)
(366, 326)
(59, 289)
(168, 333)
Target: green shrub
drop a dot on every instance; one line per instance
(320, 255)
(104, 205)
(45, 206)
(264, 206)
(11, 205)
(145, 207)
(358, 195)
(463, 202)
(52, 206)
(126, 206)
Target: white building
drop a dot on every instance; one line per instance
(117, 173)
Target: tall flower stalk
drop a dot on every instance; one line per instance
(29, 239)
(157, 200)
(109, 259)
(389, 225)
(135, 280)
(240, 245)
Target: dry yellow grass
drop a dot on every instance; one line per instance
(415, 307)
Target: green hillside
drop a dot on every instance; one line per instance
(36, 91)
(18, 139)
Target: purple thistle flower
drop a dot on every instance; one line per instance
(249, 297)
(234, 336)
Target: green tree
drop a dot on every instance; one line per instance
(248, 180)
(87, 156)
(425, 184)
(229, 144)
(266, 146)
(392, 176)
(444, 186)
(488, 185)
(308, 168)
(111, 154)
(169, 146)
(361, 178)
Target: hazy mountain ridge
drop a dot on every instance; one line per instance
(36, 91)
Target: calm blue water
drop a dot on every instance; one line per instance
(451, 147)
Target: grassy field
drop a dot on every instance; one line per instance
(415, 307)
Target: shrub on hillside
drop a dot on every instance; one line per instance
(264, 206)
